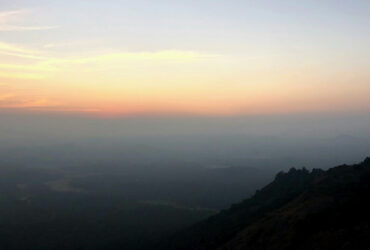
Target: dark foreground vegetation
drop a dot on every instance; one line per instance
(298, 210)
(113, 208)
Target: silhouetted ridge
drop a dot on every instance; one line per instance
(298, 210)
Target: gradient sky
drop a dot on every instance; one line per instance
(207, 57)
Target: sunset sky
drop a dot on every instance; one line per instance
(203, 57)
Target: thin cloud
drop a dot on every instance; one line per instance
(10, 99)
(18, 102)
(164, 55)
(7, 17)
(68, 44)
(40, 67)
(25, 76)
(45, 66)
(27, 56)
(18, 51)
(25, 28)
(14, 48)
(4, 97)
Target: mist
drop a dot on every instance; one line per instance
(263, 141)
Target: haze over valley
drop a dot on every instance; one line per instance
(184, 125)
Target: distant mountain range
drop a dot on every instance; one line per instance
(300, 209)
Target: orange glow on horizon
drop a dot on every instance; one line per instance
(109, 78)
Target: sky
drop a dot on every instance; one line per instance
(198, 57)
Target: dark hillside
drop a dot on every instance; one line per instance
(298, 210)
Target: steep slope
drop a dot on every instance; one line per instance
(298, 210)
